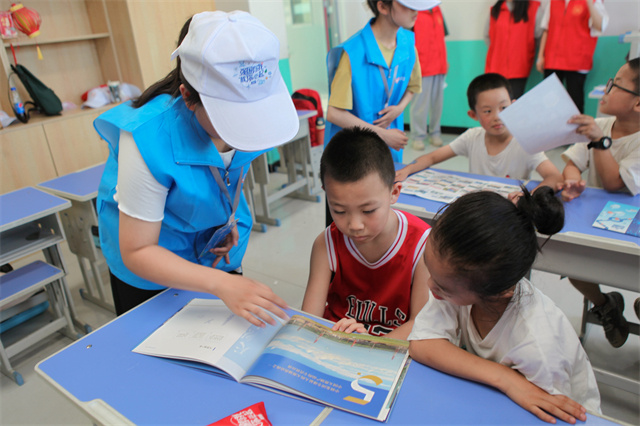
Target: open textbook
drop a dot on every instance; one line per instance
(300, 357)
(446, 188)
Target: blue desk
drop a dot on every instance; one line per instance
(29, 224)
(111, 384)
(81, 188)
(579, 250)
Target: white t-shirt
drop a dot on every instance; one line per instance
(138, 193)
(513, 162)
(625, 150)
(533, 336)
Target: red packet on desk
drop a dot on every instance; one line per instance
(254, 415)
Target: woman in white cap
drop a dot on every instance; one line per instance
(170, 204)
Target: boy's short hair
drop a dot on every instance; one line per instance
(485, 82)
(634, 65)
(355, 152)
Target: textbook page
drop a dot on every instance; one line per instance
(299, 358)
(358, 373)
(206, 331)
(538, 119)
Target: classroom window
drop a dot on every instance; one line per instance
(301, 11)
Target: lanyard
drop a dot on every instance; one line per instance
(386, 84)
(223, 188)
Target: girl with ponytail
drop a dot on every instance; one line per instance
(486, 322)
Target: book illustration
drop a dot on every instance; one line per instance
(300, 357)
(446, 188)
(619, 217)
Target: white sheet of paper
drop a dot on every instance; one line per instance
(538, 119)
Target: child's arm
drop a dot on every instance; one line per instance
(445, 356)
(540, 61)
(551, 176)
(315, 296)
(425, 161)
(392, 112)
(395, 138)
(419, 297)
(573, 184)
(606, 166)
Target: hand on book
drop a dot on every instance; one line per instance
(349, 325)
(251, 300)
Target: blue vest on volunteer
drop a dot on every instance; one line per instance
(178, 153)
(369, 90)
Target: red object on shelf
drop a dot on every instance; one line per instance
(27, 21)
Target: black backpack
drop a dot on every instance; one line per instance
(44, 99)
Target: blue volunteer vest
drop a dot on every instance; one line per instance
(178, 153)
(369, 93)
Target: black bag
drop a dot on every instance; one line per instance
(44, 99)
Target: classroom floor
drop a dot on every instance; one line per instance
(280, 258)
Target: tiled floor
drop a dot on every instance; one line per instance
(280, 258)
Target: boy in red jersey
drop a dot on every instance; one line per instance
(366, 272)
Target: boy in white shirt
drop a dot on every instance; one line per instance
(492, 150)
(612, 161)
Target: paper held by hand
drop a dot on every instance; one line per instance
(538, 119)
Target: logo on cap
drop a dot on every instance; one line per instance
(252, 73)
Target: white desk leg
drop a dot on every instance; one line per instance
(247, 188)
(77, 222)
(52, 255)
(261, 169)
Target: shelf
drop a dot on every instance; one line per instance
(35, 41)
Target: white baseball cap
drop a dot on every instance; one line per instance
(101, 96)
(419, 4)
(231, 60)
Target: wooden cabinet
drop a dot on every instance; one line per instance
(84, 44)
(49, 147)
(76, 44)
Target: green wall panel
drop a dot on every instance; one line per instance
(466, 61)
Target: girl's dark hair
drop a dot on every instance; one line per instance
(634, 65)
(490, 241)
(170, 85)
(355, 152)
(373, 5)
(519, 12)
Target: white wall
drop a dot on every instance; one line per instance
(466, 19)
(269, 12)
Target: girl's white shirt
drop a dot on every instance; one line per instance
(532, 336)
(138, 193)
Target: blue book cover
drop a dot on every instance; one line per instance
(618, 217)
(301, 357)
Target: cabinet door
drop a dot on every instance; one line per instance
(25, 159)
(75, 144)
